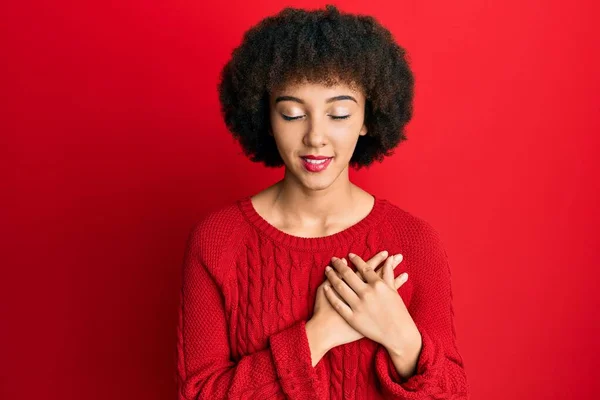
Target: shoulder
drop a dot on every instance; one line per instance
(211, 234)
(419, 242)
(424, 252)
(409, 225)
(220, 220)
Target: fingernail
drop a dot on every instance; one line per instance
(344, 260)
(327, 269)
(351, 255)
(398, 257)
(384, 253)
(334, 258)
(404, 276)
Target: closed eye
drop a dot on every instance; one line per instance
(290, 118)
(287, 118)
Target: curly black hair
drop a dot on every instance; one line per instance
(319, 46)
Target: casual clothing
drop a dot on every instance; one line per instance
(248, 290)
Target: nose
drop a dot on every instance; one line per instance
(315, 135)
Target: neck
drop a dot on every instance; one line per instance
(308, 206)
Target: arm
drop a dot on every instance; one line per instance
(439, 370)
(204, 367)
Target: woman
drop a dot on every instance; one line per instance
(261, 316)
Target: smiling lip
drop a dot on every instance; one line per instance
(311, 157)
(319, 164)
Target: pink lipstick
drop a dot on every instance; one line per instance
(315, 163)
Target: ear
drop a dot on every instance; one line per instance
(363, 130)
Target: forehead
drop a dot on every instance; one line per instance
(317, 92)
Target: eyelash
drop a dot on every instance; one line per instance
(332, 116)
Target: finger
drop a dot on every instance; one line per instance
(400, 280)
(342, 308)
(339, 283)
(365, 269)
(377, 259)
(348, 275)
(357, 272)
(388, 271)
(328, 284)
(395, 263)
(373, 262)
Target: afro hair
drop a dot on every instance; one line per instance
(320, 46)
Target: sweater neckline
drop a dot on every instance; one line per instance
(342, 237)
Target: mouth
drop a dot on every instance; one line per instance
(316, 165)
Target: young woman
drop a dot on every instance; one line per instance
(261, 316)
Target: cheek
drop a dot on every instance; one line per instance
(286, 141)
(344, 139)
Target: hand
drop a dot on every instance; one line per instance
(372, 307)
(379, 271)
(335, 330)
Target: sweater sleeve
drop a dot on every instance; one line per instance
(440, 370)
(205, 369)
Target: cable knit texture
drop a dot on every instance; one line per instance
(249, 288)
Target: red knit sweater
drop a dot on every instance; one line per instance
(249, 288)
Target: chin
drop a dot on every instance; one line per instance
(318, 186)
(317, 181)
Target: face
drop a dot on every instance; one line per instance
(313, 120)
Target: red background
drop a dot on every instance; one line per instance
(114, 146)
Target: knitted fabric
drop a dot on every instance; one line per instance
(248, 290)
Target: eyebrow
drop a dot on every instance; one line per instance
(329, 100)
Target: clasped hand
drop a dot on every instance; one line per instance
(369, 302)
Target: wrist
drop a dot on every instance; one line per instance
(405, 357)
(405, 348)
(317, 340)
